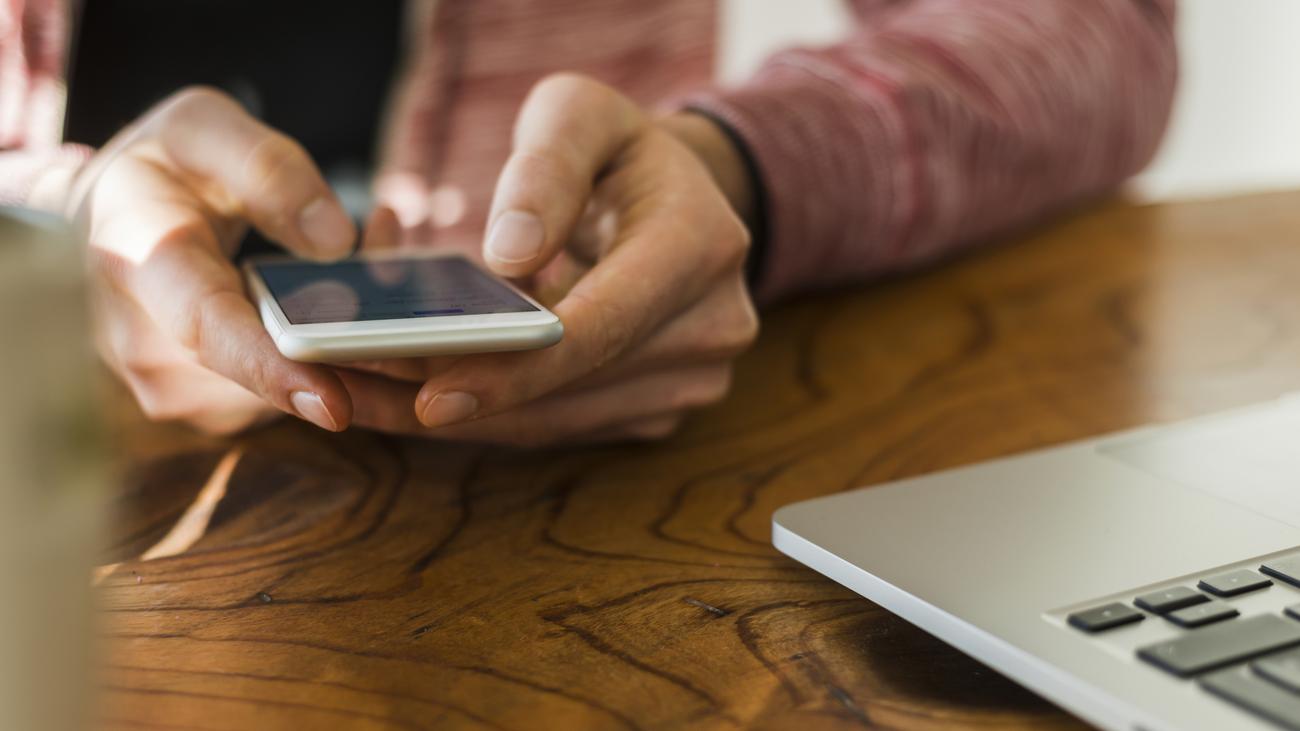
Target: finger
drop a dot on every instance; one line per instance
(642, 430)
(261, 173)
(565, 418)
(216, 321)
(192, 394)
(718, 327)
(383, 231)
(410, 370)
(166, 381)
(594, 234)
(414, 370)
(568, 129)
(380, 405)
(380, 402)
(195, 296)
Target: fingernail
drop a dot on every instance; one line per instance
(449, 407)
(326, 226)
(310, 407)
(516, 236)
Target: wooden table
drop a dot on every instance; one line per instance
(359, 581)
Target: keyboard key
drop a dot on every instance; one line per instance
(1104, 617)
(1293, 611)
(1202, 614)
(1243, 688)
(1167, 600)
(1282, 669)
(1234, 583)
(1287, 569)
(1222, 644)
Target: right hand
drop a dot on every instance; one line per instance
(164, 206)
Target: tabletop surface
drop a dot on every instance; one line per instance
(367, 582)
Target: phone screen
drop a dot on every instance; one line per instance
(396, 289)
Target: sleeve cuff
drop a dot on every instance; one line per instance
(818, 200)
(755, 263)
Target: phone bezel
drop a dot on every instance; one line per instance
(405, 337)
(262, 293)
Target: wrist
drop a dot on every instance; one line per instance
(724, 162)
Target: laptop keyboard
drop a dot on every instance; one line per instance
(1202, 614)
(1222, 645)
(1105, 617)
(1234, 583)
(1249, 659)
(1167, 600)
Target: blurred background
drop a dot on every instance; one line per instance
(1234, 128)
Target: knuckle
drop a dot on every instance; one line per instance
(610, 332)
(137, 369)
(507, 385)
(201, 94)
(197, 320)
(155, 403)
(259, 377)
(153, 408)
(733, 242)
(273, 163)
(742, 240)
(741, 329)
(193, 100)
(733, 328)
(565, 84)
(583, 98)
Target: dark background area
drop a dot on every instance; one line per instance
(317, 71)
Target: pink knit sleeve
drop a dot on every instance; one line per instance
(33, 48)
(944, 122)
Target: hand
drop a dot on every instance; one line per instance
(612, 216)
(163, 206)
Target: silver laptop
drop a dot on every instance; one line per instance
(1146, 580)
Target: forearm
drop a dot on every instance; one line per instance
(942, 122)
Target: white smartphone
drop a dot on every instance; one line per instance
(393, 306)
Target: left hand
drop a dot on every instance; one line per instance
(624, 221)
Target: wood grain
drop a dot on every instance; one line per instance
(364, 582)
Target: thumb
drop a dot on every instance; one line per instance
(569, 130)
